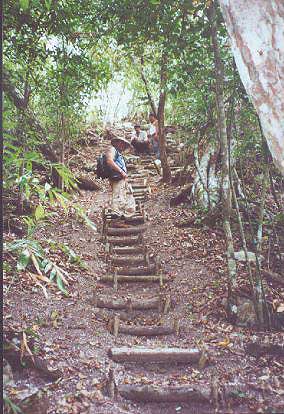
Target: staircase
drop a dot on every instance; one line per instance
(145, 289)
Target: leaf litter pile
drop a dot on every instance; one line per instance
(56, 341)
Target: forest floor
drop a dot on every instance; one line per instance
(72, 335)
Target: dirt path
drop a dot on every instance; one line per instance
(73, 334)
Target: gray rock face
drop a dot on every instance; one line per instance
(240, 256)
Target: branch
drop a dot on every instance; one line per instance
(21, 103)
(150, 98)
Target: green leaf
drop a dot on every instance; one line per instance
(89, 222)
(48, 4)
(44, 263)
(51, 197)
(15, 245)
(61, 285)
(24, 4)
(15, 409)
(48, 267)
(73, 257)
(39, 212)
(23, 260)
(47, 187)
(52, 274)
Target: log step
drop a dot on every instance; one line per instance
(138, 179)
(137, 271)
(131, 279)
(151, 166)
(129, 250)
(125, 260)
(176, 168)
(128, 303)
(156, 355)
(142, 330)
(139, 192)
(166, 394)
(125, 231)
(139, 198)
(125, 241)
(139, 187)
(136, 220)
(141, 175)
(138, 182)
(146, 161)
(132, 167)
(119, 220)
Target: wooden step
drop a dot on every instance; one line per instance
(126, 260)
(139, 191)
(138, 187)
(118, 221)
(135, 279)
(150, 167)
(138, 182)
(143, 330)
(137, 177)
(140, 195)
(166, 394)
(125, 241)
(132, 167)
(136, 220)
(137, 271)
(127, 231)
(156, 355)
(128, 303)
(145, 160)
(176, 167)
(129, 250)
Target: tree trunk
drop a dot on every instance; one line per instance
(257, 37)
(161, 121)
(206, 186)
(226, 188)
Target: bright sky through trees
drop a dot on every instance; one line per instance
(112, 102)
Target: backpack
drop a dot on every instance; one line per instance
(104, 171)
(102, 167)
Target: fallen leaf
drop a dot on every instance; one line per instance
(224, 343)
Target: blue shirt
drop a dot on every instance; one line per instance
(119, 160)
